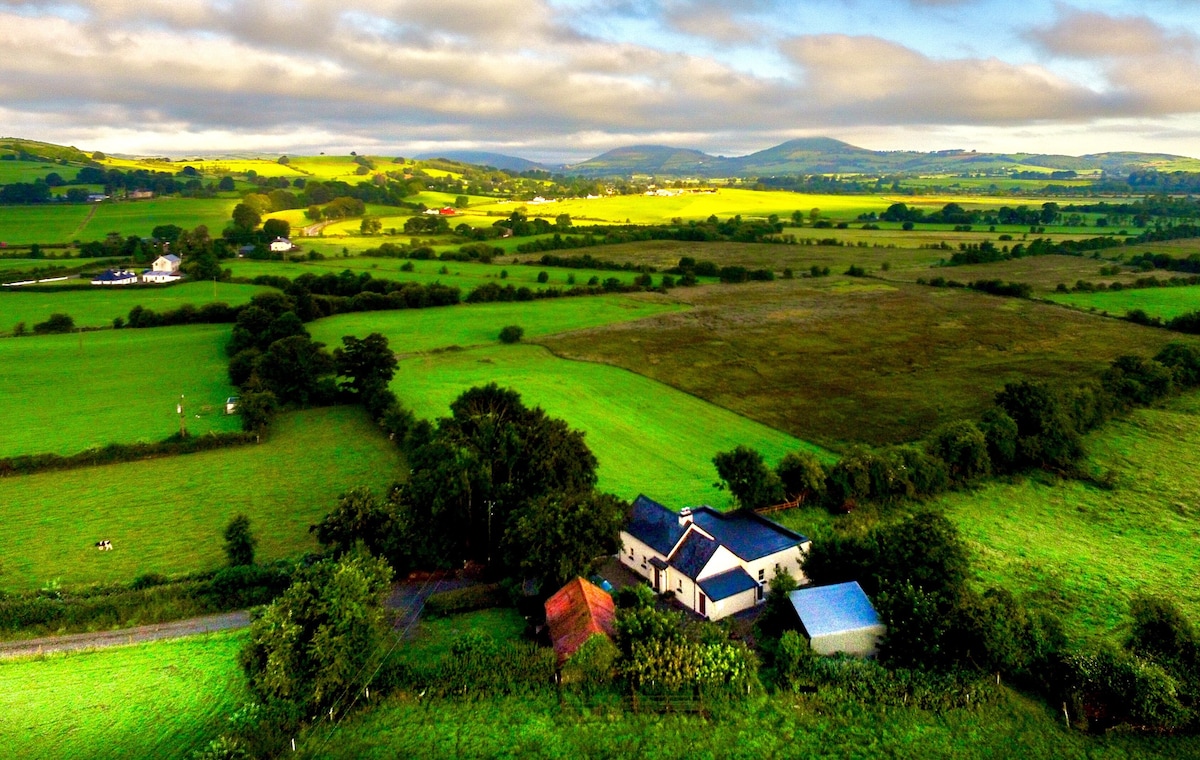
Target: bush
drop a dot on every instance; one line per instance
(511, 334)
(467, 599)
(593, 666)
(57, 323)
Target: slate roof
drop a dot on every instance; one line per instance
(576, 612)
(825, 610)
(108, 275)
(654, 525)
(693, 554)
(727, 584)
(746, 534)
(172, 258)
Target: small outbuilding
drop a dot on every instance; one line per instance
(838, 618)
(115, 277)
(281, 245)
(577, 612)
(231, 405)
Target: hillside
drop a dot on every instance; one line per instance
(486, 158)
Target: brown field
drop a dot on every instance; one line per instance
(842, 360)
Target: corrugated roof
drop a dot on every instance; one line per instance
(654, 525)
(727, 584)
(833, 609)
(576, 612)
(693, 554)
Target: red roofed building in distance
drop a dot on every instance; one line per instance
(576, 612)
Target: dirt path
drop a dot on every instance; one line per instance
(141, 634)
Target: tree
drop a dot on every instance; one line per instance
(293, 367)
(748, 478)
(245, 217)
(964, 449)
(362, 518)
(56, 323)
(257, 409)
(325, 631)
(557, 535)
(370, 225)
(314, 214)
(225, 184)
(511, 334)
(1046, 433)
(801, 476)
(276, 228)
(239, 542)
(461, 201)
(369, 363)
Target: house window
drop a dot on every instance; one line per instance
(631, 552)
(762, 574)
(680, 589)
(777, 568)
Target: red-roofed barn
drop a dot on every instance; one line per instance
(576, 612)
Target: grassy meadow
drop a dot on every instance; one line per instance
(1044, 273)
(167, 515)
(67, 393)
(417, 330)
(154, 701)
(648, 437)
(1085, 552)
(466, 275)
(97, 307)
(22, 225)
(28, 171)
(1157, 302)
(838, 360)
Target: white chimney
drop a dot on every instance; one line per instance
(685, 516)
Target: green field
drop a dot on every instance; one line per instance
(167, 515)
(1084, 552)
(149, 702)
(97, 307)
(415, 330)
(43, 224)
(648, 437)
(67, 393)
(1166, 303)
(461, 274)
(28, 171)
(837, 360)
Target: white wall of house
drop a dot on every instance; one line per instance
(732, 605)
(636, 556)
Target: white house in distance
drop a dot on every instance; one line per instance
(281, 245)
(115, 277)
(838, 618)
(716, 563)
(163, 269)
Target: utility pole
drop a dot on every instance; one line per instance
(182, 418)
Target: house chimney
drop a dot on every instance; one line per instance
(685, 516)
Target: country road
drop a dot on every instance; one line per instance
(407, 599)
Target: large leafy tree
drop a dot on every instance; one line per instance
(293, 368)
(748, 478)
(556, 536)
(482, 464)
(313, 642)
(368, 363)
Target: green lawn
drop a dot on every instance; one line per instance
(1157, 302)
(140, 217)
(166, 515)
(1084, 552)
(648, 437)
(67, 393)
(149, 702)
(97, 307)
(413, 330)
(28, 171)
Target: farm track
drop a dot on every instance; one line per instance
(407, 599)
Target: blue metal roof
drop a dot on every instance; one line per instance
(746, 534)
(833, 609)
(654, 525)
(693, 554)
(727, 584)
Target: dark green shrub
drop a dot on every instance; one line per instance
(466, 599)
(511, 334)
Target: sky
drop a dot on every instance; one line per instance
(564, 80)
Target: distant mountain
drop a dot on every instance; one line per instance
(484, 158)
(824, 155)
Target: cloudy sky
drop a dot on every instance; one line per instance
(567, 79)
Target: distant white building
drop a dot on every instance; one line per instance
(115, 277)
(167, 263)
(281, 245)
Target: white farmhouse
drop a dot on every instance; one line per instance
(164, 269)
(281, 245)
(716, 563)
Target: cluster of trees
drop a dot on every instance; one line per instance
(1032, 425)
(954, 213)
